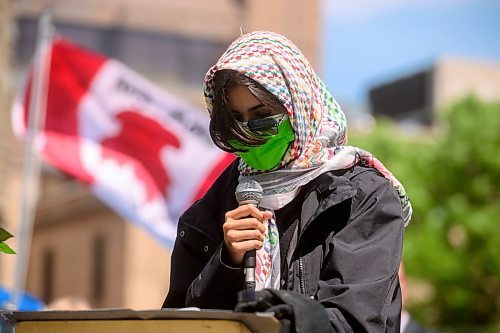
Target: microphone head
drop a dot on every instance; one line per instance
(249, 192)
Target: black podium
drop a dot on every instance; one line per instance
(124, 321)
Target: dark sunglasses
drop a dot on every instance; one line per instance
(264, 126)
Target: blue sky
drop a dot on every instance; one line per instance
(366, 42)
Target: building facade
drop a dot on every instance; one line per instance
(417, 97)
(80, 247)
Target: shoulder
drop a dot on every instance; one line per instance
(222, 190)
(368, 183)
(364, 187)
(207, 214)
(357, 182)
(376, 199)
(224, 186)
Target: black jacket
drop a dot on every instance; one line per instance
(346, 255)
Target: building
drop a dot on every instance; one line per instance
(172, 42)
(80, 247)
(418, 96)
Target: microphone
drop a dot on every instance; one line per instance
(249, 192)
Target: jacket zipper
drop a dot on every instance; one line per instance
(301, 277)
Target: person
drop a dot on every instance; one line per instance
(330, 223)
(408, 323)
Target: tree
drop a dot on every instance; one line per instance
(4, 235)
(451, 245)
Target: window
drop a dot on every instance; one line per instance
(98, 269)
(48, 275)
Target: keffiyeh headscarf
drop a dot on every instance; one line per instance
(318, 123)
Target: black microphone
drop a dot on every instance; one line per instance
(249, 192)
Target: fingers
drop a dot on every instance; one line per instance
(243, 224)
(244, 235)
(245, 246)
(245, 211)
(267, 215)
(244, 230)
(239, 241)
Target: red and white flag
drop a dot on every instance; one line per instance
(144, 152)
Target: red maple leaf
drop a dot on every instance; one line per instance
(139, 143)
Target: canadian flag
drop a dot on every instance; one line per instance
(144, 152)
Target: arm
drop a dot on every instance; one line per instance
(359, 284)
(199, 236)
(187, 260)
(198, 277)
(218, 284)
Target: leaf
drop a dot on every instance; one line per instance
(4, 235)
(6, 249)
(451, 176)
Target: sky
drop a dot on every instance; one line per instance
(366, 42)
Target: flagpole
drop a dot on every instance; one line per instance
(31, 163)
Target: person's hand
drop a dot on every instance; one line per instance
(244, 231)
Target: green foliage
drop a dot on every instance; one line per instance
(452, 242)
(4, 235)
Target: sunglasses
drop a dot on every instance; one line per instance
(264, 126)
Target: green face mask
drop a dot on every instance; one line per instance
(268, 155)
